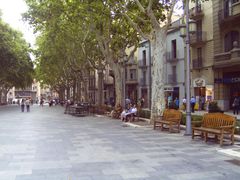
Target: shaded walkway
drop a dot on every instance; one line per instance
(46, 144)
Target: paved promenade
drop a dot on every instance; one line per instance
(46, 144)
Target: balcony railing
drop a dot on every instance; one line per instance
(172, 56)
(196, 12)
(198, 37)
(142, 63)
(131, 81)
(229, 14)
(197, 63)
(222, 56)
(227, 59)
(172, 78)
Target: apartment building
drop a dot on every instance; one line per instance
(226, 33)
(174, 64)
(144, 72)
(201, 43)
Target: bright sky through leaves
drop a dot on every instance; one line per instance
(11, 14)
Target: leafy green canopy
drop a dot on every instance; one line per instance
(16, 67)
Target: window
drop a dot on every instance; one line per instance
(199, 54)
(235, 1)
(144, 57)
(133, 74)
(144, 77)
(199, 30)
(174, 73)
(174, 48)
(229, 38)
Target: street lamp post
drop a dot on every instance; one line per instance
(185, 31)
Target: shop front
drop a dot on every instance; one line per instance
(229, 87)
(201, 90)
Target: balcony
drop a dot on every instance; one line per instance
(196, 12)
(142, 64)
(227, 59)
(197, 63)
(172, 56)
(198, 38)
(172, 78)
(132, 81)
(229, 16)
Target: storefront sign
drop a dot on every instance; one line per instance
(227, 80)
(199, 82)
(168, 89)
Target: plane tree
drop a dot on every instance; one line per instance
(16, 67)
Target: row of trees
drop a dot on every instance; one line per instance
(78, 35)
(16, 67)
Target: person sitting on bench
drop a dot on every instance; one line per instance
(126, 114)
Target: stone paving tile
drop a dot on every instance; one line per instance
(47, 144)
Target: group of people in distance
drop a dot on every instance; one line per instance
(26, 103)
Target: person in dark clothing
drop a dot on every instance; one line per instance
(22, 105)
(193, 102)
(235, 105)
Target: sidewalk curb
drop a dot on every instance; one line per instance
(182, 127)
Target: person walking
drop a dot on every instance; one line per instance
(22, 103)
(193, 102)
(184, 103)
(170, 99)
(202, 102)
(27, 103)
(176, 102)
(235, 105)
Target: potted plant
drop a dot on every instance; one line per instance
(213, 107)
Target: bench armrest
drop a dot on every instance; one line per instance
(227, 127)
(173, 119)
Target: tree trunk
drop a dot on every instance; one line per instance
(159, 49)
(5, 92)
(86, 89)
(118, 75)
(74, 90)
(68, 93)
(100, 87)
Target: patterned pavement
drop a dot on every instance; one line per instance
(47, 144)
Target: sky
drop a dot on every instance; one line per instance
(11, 14)
(12, 10)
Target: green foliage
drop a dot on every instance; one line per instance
(16, 67)
(195, 119)
(144, 113)
(213, 107)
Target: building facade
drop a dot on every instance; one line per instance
(226, 28)
(201, 43)
(174, 64)
(144, 73)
